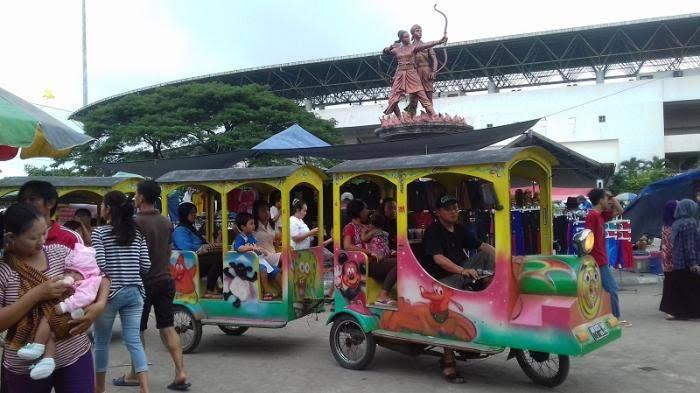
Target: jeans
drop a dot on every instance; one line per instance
(128, 302)
(610, 286)
(79, 377)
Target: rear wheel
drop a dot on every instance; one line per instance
(352, 348)
(188, 328)
(233, 330)
(543, 368)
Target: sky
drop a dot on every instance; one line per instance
(137, 43)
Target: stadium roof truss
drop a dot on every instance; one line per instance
(620, 50)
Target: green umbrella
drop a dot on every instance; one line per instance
(26, 127)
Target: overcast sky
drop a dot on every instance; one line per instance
(136, 43)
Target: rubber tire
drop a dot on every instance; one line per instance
(371, 345)
(196, 328)
(233, 330)
(549, 382)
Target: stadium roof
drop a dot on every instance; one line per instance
(559, 56)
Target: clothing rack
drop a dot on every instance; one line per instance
(525, 209)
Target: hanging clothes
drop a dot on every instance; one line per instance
(625, 255)
(174, 200)
(463, 196)
(246, 199)
(560, 227)
(417, 198)
(233, 200)
(517, 233)
(199, 201)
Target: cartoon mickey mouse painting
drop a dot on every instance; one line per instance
(348, 280)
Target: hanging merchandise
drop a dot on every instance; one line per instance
(463, 196)
(199, 200)
(611, 242)
(624, 239)
(174, 200)
(233, 199)
(525, 231)
(488, 195)
(246, 199)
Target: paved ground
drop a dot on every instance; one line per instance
(653, 356)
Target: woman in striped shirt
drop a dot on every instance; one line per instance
(122, 254)
(25, 234)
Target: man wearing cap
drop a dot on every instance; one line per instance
(446, 244)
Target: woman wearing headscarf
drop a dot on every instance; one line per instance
(187, 238)
(666, 248)
(684, 280)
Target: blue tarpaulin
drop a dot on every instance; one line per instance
(646, 211)
(294, 137)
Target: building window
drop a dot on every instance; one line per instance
(601, 119)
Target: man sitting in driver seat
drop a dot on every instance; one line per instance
(446, 243)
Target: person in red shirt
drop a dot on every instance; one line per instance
(44, 197)
(605, 207)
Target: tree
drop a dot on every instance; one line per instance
(634, 174)
(185, 120)
(49, 171)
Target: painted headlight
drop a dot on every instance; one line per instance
(584, 241)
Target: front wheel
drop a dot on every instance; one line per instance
(233, 330)
(188, 328)
(352, 348)
(543, 368)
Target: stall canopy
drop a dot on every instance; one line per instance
(574, 171)
(294, 137)
(466, 141)
(646, 211)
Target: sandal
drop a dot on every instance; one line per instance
(121, 381)
(453, 377)
(180, 386)
(267, 296)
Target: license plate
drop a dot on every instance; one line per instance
(598, 331)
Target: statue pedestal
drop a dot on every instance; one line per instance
(393, 128)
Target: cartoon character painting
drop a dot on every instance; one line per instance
(239, 281)
(183, 268)
(434, 318)
(304, 271)
(348, 281)
(590, 289)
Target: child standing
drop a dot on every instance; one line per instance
(245, 242)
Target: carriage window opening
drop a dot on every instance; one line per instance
(303, 221)
(527, 211)
(193, 211)
(370, 226)
(451, 228)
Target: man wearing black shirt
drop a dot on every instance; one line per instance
(446, 243)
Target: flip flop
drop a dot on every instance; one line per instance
(179, 386)
(121, 381)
